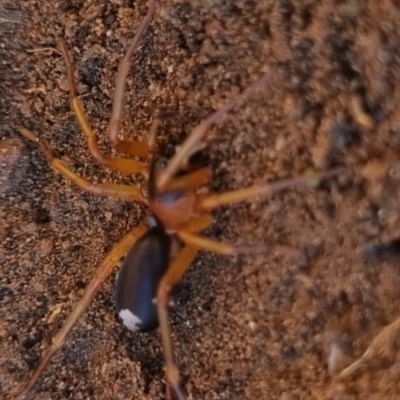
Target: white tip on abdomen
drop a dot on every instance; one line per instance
(131, 321)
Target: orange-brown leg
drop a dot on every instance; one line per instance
(211, 201)
(102, 273)
(199, 132)
(173, 275)
(124, 165)
(197, 224)
(124, 192)
(229, 249)
(192, 180)
(127, 146)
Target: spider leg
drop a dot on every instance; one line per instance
(192, 180)
(197, 224)
(102, 272)
(173, 275)
(211, 201)
(229, 249)
(124, 192)
(199, 132)
(124, 165)
(127, 146)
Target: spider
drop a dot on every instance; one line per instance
(179, 213)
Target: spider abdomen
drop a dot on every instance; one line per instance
(138, 279)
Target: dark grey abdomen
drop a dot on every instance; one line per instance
(138, 279)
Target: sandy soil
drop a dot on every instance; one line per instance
(254, 327)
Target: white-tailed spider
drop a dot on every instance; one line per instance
(179, 212)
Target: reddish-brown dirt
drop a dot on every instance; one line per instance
(253, 327)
